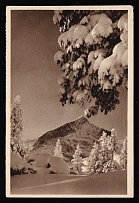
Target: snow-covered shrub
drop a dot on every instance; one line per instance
(19, 165)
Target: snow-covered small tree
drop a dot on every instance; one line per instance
(77, 159)
(58, 149)
(109, 147)
(123, 155)
(102, 164)
(92, 159)
(115, 141)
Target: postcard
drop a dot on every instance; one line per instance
(69, 101)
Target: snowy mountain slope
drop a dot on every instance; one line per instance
(70, 134)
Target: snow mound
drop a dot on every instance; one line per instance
(51, 163)
(18, 163)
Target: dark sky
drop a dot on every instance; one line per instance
(34, 77)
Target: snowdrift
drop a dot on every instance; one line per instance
(46, 163)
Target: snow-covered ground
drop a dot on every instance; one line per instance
(112, 183)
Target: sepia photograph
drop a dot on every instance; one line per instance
(69, 101)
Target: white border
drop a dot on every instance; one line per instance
(130, 134)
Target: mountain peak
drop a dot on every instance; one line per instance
(79, 121)
(79, 127)
(70, 134)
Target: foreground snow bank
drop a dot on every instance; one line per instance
(112, 183)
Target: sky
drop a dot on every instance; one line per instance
(34, 77)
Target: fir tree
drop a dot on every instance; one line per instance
(58, 149)
(114, 143)
(123, 156)
(93, 158)
(77, 159)
(109, 147)
(16, 124)
(101, 158)
(17, 146)
(93, 57)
